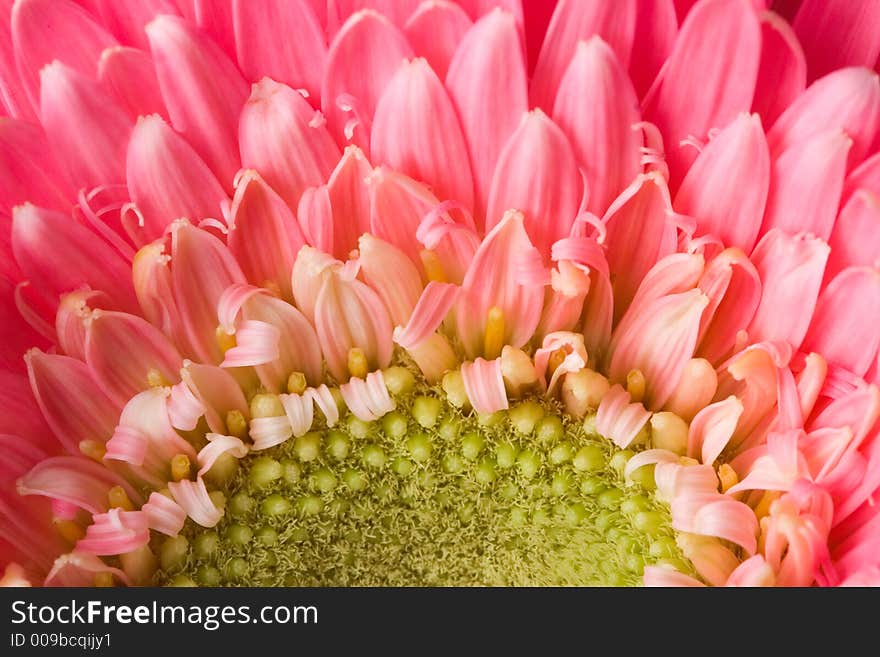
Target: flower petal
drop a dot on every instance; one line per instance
(484, 385)
(712, 428)
(128, 75)
(349, 199)
(782, 75)
(838, 33)
(367, 398)
(31, 173)
(433, 305)
(620, 419)
(392, 275)
(164, 514)
(115, 532)
(655, 34)
(434, 30)
(193, 497)
(855, 240)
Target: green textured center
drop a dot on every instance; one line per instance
(432, 496)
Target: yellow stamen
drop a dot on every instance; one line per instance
(225, 341)
(155, 379)
(296, 383)
(670, 432)
(554, 362)
(236, 425)
(118, 499)
(453, 386)
(687, 461)
(357, 363)
(728, 477)
(69, 530)
(494, 340)
(181, 468)
(93, 449)
(104, 580)
(433, 266)
(635, 385)
(266, 405)
(763, 508)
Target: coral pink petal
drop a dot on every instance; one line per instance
(488, 85)
(722, 40)
(484, 385)
(492, 281)
(601, 132)
(285, 140)
(855, 240)
(31, 173)
(256, 344)
(20, 414)
(782, 75)
(164, 514)
(315, 216)
(537, 175)
(620, 419)
(349, 200)
(193, 497)
(865, 176)
(726, 188)
(215, 18)
(712, 428)
(392, 275)
(656, 31)
(202, 89)
(574, 21)
(126, 19)
(115, 532)
(363, 57)
(396, 11)
(128, 75)
(435, 29)
(791, 269)
(433, 305)
(838, 33)
(13, 97)
(367, 398)
(263, 42)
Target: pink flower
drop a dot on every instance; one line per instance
(430, 267)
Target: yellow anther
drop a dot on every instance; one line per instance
(181, 468)
(225, 341)
(763, 508)
(104, 580)
(433, 266)
(118, 499)
(236, 424)
(358, 366)
(93, 449)
(687, 461)
(635, 385)
(554, 362)
(728, 477)
(453, 386)
(69, 530)
(266, 405)
(494, 340)
(296, 383)
(155, 379)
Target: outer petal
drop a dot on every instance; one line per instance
(537, 175)
(597, 108)
(782, 76)
(725, 189)
(435, 29)
(855, 240)
(865, 176)
(349, 200)
(487, 83)
(214, 17)
(264, 45)
(79, 569)
(284, 138)
(416, 131)
(309, 271)
(620, 419)
(394, 277)
(396, 11)
(128, 75)
(203, 91)
(712, 428)
(126, 19)
(656, 31)
(838, 33)
(722, 40)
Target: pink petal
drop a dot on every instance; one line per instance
(367, 398)
(70, 400)
(658, 577)
(19, 412)
(782, 75)
(285, 140)
(126, 19)
(202, 268)
(415, 130)
(453, 243)
(713, 514)
(847, 99)
(193, 497)
(484, 385)
(726, 188)
(308, 277)
(267, 432)
(164, 514)
(752, 572)
(46, 30)
(300, 411)
(434, 357)
(315, 216)
(59, 255)
(487, 83)
(655, 34)
(699, 384)
(865, 176)
(115, 532)
(363, 57)
(128, 75)
(806, 185)
(838, 33)
(435, 29)
(392, 275)
(326, 403)
(855, 240)
(264, 45)
(167, 179)
(215, 18)
(494, 281)
(722, 40)
(184, 408)
(264, 236)
(217, 391)
(537, 175)
(217, 446)
(13, 97)
(619, 419)
(575, 21)
(31, 174)
(349, 199)
(86, 129)
(564, 305)
(601, 132)
(712, 428)
(574, 360)
(256, 344)
(432, 307)
(202, 89)
(79, 569)
(791, 269)
(396, 11)
(649, 457)
(846, 324)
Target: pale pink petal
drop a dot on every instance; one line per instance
(126, 19)
(858, 410)
(167, 179)
(855, 240)
(537, 175)
(363, 57)
(31, 173)
(203, 91)
(432, 307)
(725, 189)
(263, 42)
(791, 269)
(493, 281)
(217, 391)
(698, 386)
(184, 408)
(713, 514)
(575, 21)
(712, 560)
(71, 401)
(564, 305)
(649, 457)
(782, 75)
(484, 385)
(256, 343)
(806, 184)
(656, 31)
(722, 40)
(752, 572)
(367, 398)
(128, 75)
(309, 270)
(434, 357)
(315, 216)
(285, 140)
(712, 428)
(392, 275)
(676, 480)
(216, 447)
(115, 532)
(838, 33)
(79, 569)
(326, 403)
(267, 432)
(164, 514)
(300, 411)
(193, 497)
(349, 199)
(574, 359)
(620, 419)
(487, 83)
(435, 29)
(264, 235)
(453, 243)
(659, 577)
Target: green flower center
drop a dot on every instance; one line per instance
(432, 496)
